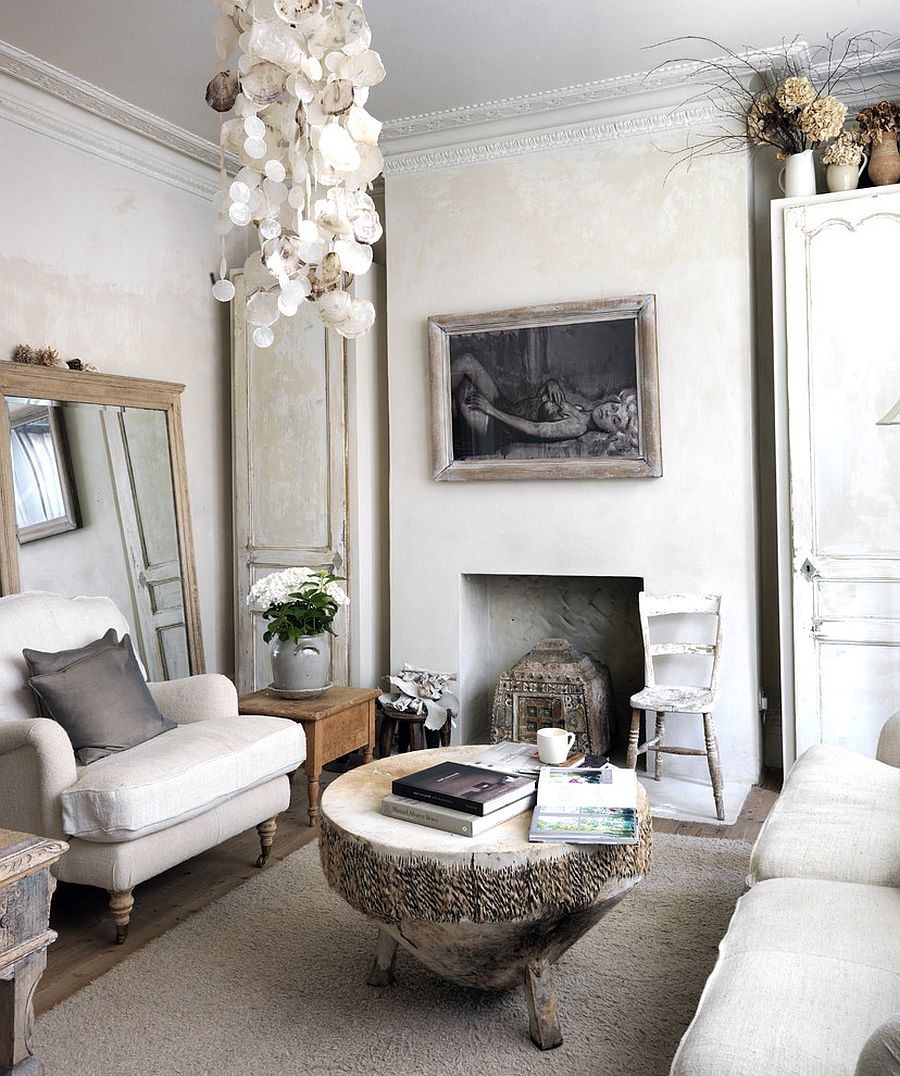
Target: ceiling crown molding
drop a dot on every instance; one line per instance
(675, 75)
(53, 80)
(551, 138)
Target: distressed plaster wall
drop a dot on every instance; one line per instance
(105, 263)
(576, 224)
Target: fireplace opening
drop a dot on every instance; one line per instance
(503, 617)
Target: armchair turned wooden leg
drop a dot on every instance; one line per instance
(266, 831)
(633, 737)
(120, 904)
(715, 766)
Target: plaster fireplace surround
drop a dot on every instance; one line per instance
(503, 616)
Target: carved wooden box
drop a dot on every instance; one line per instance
(555, 685)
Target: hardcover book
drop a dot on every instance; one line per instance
(464, 788)
(459, 822)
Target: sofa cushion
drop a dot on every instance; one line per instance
(102, 701)
(837, 819)
(179, 775)
(807, 970)
(42, 661)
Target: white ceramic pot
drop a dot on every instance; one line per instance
(844, 177)
(798, 177)
(301, 666)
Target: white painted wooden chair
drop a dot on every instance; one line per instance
(675, 699)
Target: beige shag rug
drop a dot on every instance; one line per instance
(272, 979)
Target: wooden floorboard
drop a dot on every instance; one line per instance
(85, 950)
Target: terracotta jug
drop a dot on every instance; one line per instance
(884, 165)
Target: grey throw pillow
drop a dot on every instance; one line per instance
(40, 661)
(102, 702)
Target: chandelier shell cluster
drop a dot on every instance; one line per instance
(308, 149)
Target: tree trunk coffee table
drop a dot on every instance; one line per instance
(490, 911)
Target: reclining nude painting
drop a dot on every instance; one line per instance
(575, 391)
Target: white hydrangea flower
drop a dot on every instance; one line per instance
(336, 592)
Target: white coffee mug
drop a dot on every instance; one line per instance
(554, 745)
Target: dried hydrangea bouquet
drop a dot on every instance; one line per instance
(786, 98)
(844, 162)
(879, 127)
(308, 150)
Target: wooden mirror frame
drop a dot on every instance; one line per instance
(71, 386)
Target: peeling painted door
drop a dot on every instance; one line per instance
(290, 470)
(843, 380)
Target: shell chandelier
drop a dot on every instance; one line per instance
(309, 149)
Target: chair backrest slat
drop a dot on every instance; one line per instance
(682, 648)
(653, 605)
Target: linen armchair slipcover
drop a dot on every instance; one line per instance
(133, 814)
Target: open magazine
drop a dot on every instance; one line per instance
(586, 806)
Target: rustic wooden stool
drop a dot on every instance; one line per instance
(409, 729)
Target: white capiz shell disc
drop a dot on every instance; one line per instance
(223, 290)
(263, 336)
(239, 213)
(278, 43)
(308, 231)
(297, 10)
(263, 83)
(338, 149)
(361, 319)
(269, 228)
(362, 127)
(356, 258)
(275, 171)
(364, 69)
(275, 191)
(282, 255)
(225, 34)
(296, 197)
(262, 308)
(366, 225)
(255, 273)
(255, 148)
(249, 176)
(371, 165)
(259, 204)
(312, 253)
(329, 217)
(335, 306)
(294, 291)
(286, 308)
(312, 68)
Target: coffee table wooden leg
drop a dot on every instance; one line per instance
(382, 973)
(543, 1015)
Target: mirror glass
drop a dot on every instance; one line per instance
(95, 514)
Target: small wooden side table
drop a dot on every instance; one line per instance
(336, 723)
(26, 887)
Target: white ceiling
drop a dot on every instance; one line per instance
(159, 54)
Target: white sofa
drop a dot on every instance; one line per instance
(134, 814)
(807, 982)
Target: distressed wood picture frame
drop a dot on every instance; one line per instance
(568, 390)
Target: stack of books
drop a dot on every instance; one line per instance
(586, 806)
(459, 799)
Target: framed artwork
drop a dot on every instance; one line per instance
(563, 391)
(46, 501)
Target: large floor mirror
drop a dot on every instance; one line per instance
(93, 499)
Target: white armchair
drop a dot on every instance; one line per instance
(133, 814)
